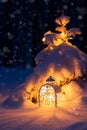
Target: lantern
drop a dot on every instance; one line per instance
(48, 93)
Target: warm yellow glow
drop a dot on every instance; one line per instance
(47, 96)
(44, 39)
(63, 20)
(57, 42)
(51, 48)
(63, 35)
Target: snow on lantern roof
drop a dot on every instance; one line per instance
(50, 79)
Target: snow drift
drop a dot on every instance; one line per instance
(66, 64)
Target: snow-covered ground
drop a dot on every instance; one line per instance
(29, 116)
(32, 117)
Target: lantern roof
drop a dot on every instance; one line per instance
(50, 79)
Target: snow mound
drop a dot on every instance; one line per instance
(65, 63)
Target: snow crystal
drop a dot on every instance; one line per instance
(3, 1)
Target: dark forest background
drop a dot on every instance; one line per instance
(24, 22)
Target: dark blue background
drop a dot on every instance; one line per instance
(23, 24)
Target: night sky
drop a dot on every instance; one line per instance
(23, 24)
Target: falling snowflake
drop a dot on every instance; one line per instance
(80, 17)
(30, 50)
(5, 49)
(12, 16)
(10, 36)
(20, 22)
(65, 7)
(72, 4)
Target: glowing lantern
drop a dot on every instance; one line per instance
(48, 94)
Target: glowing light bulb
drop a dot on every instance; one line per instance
(43, 39)
(63, 35)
